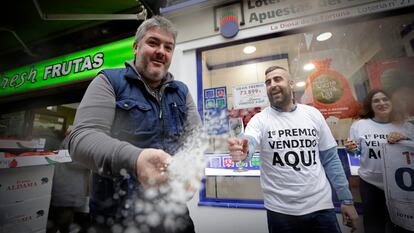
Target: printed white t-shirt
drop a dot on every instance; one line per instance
(292, 177)
(370, 136)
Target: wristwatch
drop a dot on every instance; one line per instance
(348, 202)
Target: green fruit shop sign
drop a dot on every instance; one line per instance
(66, 69)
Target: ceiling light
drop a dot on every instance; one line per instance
(301, 84)
(249, 49)
(324, 36)
(309, 66)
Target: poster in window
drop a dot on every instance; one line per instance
(250, 96)
(221, 103)
(209, 94)
(396, 76)
(210, 104)
(215, 111)
(220, 92)
(391, 74)
(329, 91)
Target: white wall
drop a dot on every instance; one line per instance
(184, 68)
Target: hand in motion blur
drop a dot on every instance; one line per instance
(151, 167)
(238, 148)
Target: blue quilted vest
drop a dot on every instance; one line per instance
(144, 121)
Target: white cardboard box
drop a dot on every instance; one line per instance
(27, 216)
(20, 184)
(25, 191)
(36, 143)
(61, 156)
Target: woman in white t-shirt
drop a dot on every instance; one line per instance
(378, 124)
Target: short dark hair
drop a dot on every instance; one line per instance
(272, 68)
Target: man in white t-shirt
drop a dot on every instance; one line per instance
(297, 150)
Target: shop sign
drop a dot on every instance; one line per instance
(66, 69)
(268, 11)
(228, 17)
(285, 15)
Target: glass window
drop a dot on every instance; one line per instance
(50, 123)
(12, 125)
(333, 67)
(50, 127)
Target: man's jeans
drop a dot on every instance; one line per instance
(323, 221)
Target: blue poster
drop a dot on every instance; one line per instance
(215, 111)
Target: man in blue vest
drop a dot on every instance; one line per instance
(129, 123)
